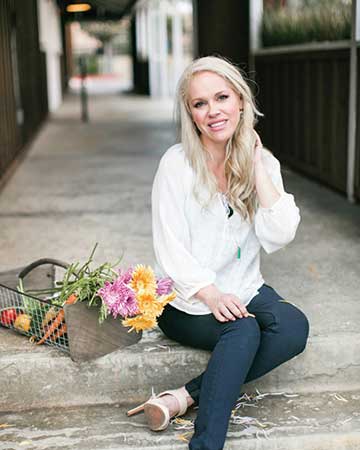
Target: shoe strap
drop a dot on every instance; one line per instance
(180, 398)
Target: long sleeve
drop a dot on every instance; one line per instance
(275, 227)
(171, 236)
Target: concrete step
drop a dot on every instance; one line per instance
(325, 421)
(37, 377)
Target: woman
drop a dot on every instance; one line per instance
(217, 198)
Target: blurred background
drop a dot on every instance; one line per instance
(301, 56)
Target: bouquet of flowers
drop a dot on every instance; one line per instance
(135, 295)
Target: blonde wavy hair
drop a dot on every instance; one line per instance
(239, 171)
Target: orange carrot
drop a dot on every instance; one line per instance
(71, 300)
(57, 324)
(60, 332)
(53, 327)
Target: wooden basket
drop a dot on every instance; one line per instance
(85, 339)
(88, 339)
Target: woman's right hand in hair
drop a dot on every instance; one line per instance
(224, 306)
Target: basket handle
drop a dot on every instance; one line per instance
(40, 262)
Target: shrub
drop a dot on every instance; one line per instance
(320, 21)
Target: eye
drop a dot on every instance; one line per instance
(199, 104)
(223, 97)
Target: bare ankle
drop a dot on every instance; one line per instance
(189, 399)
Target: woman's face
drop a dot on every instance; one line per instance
(215, 107)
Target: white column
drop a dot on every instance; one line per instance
(256, 17)
(357, 20)
(138, 31)
(355, 37)
(144, 33)
(178, 51)
(158, 49)
(256, 14)
(141, 25)
(163, 52)
(50, 41)
(151, 34)
(53, 80)
(195, 29)
(108, 57)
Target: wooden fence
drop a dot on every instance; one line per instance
(23, 92)
(304, 96)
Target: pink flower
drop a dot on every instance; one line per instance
(125, 276)
(164, 286)
(119, 298)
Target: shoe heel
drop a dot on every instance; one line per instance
(157, 416)
(136, 410)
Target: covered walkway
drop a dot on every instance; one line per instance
(87, 183)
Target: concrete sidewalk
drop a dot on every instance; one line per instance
(87, 183)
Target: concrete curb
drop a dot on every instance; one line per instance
(319, 421)
(45, 377)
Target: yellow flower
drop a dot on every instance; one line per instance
(165, 299)
(143, 280)
(148, 304)
(138, 323)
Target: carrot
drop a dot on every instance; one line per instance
(57, 324)
(71, 299)
(53, 327)
(60, 332)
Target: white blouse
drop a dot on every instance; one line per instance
(197, 246)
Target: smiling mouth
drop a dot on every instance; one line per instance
(219, 124)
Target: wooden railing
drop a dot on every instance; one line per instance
(304, 94)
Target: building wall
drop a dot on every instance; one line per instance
(357, 149)
(23, 85)
(10, 139)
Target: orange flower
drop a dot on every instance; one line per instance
(149, 305)
(165, 299)
(143, 280)
(138, 323)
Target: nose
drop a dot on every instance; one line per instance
(213, 110)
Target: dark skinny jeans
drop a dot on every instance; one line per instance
(242, 350)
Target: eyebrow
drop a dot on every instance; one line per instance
(200, 98)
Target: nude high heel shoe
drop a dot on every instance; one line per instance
(157, 415)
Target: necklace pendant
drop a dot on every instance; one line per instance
(239, 253)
